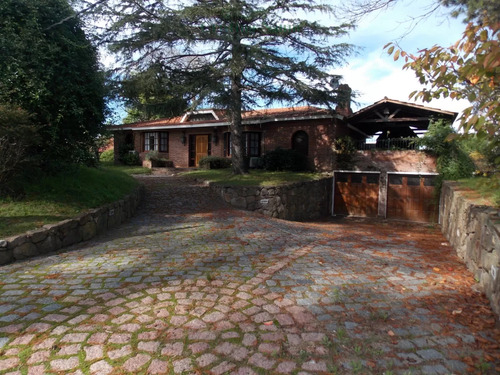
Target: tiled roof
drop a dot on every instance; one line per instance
(247, 116)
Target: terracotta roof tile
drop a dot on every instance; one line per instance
(278, 113)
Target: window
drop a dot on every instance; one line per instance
(395, 179)
(413, 181)
(227, 144)
(372, 178)
(251, 144)
(356, 178)
(156, 141)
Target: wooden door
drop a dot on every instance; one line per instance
(201, 148)
(356, 194)
(412, 197)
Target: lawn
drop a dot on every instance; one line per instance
(128, 169)
(485, 190)
(50, 199)
(256, 177)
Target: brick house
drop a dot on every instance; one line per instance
(310, 130)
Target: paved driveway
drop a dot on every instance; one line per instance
(192, 286)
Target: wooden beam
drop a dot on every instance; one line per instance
(400, 119)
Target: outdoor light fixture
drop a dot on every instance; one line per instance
(183, 138)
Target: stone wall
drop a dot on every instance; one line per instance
(296, 201)
(52, 237)
(474, 232)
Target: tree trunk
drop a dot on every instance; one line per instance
(237, 156)
(237, 67)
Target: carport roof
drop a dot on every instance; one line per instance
(389, 114)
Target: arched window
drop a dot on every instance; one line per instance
(300, 142)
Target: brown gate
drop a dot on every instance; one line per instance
(356, 194)
(412, 197)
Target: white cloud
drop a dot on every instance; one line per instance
(375, 76)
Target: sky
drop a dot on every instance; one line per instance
(373, 74)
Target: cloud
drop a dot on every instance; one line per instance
(375, 76)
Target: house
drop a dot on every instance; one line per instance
(186, 139)
(310, 130)
(389, 179)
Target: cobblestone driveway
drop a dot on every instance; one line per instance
(191, 286)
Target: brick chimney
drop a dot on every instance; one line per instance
(344, 100)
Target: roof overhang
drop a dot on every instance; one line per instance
(257, 121)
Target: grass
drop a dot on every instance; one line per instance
(487, 189)
(128, 169)
(254, 178)
(50, 199)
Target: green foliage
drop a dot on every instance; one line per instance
(147, 96)
(285, 160)
(474, 9)
(51, 198)
(453, 162)
(17, 136)
(154, 155)
(214, 162)
(345, 151)
(487, 187)
(470, 69)
(131, 158)
(107, 156)
(50, 70)
(125, 151)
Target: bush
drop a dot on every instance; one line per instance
(285, 160)
(453, 163)
(345, 153)
(17, 137)
(214, 162)
(132, 158)
(107, 156)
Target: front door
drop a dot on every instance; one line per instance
(201, 148)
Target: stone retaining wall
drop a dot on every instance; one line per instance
(297, 201)
(52, 237)
(474, 232)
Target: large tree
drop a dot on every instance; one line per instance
(50, 69)
(233, 54)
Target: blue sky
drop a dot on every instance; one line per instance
(374, 74)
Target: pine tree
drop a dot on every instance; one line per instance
(231, 54)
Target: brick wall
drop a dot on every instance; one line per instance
(321, 133)
(395, 161)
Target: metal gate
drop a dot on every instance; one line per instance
(412, 197)
(356, 193)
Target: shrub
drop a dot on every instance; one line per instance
(345, 152)
(285, 160)
(132, 158)
(107, 156)
(453, 162)
(214, 162)
(17, 136)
